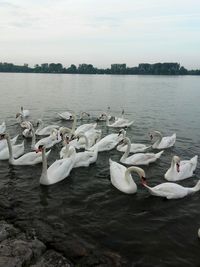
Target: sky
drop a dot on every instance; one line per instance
(100, 32)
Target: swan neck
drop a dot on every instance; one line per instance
(158, 138)
(11, 159)
(126, 153)
(33, 138)
(74, 124)
(44, 166)
(107, 120)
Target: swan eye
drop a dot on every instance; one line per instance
(2, 136)
(178, 167)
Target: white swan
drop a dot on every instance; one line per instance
(58, 171)
(171, 190)
(17, 150)
(65, 116)
(82, 159)
(68, 116)
(121, 177)
(30, 158)
(27, 133)
(25, 112)
(135, 147)
(44, 130)
(21, 120)
(86, 140)
(181, 169)
(49, 141)
(119, 123)
(109, 142)
(140, 158)
(102, 116)
(2, 127)
(3, 142)
(81, 129)
(162, 142)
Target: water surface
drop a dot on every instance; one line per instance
(142, 228)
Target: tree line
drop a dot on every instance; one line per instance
(143, 68)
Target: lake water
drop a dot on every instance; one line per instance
(143, 229)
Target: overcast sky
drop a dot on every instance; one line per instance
(100, 32)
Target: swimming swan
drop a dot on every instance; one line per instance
(59, 170)
(140, 158)
(119, 123)
(109, 141)
(44, 130)
(135, 147)
(3, 142)
(121, 178)
(82, 159)
(181, 169)
(18, 150)
(49, 141)
(171, 190)
(30, 158)
(162, 142)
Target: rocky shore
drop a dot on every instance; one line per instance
(39, 248)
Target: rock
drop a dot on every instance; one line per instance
(7, 230)
(52, 259)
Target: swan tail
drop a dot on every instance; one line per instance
(197, 186)
(194, 162)
(159, 154)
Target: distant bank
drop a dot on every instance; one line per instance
(143, 69)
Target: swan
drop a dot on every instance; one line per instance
(3, 142)
(86, 140)
(17, 151)
(58, 171)
(65, 116)
(181, 169)
(119, 123)
(102, 116)
(162, 142)
(21, 120)
(140, 158)
(135, 147)
(27, 133)
(81, 129)
(25, 112)
(30, 158)
(2, 127)
(171, 190)
(51, 140)
(109, 142)
(68, 116)
(82, 159)
(44, 130)
(121, 178)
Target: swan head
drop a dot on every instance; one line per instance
(122, 132)
(18, 115)
(176, 161)
(2, 136)
(152, 134)
(39, 122)
(40, 148)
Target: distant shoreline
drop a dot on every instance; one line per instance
(116, 69)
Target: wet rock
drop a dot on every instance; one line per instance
(100, 259)
(52, 259)
(7, 230)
